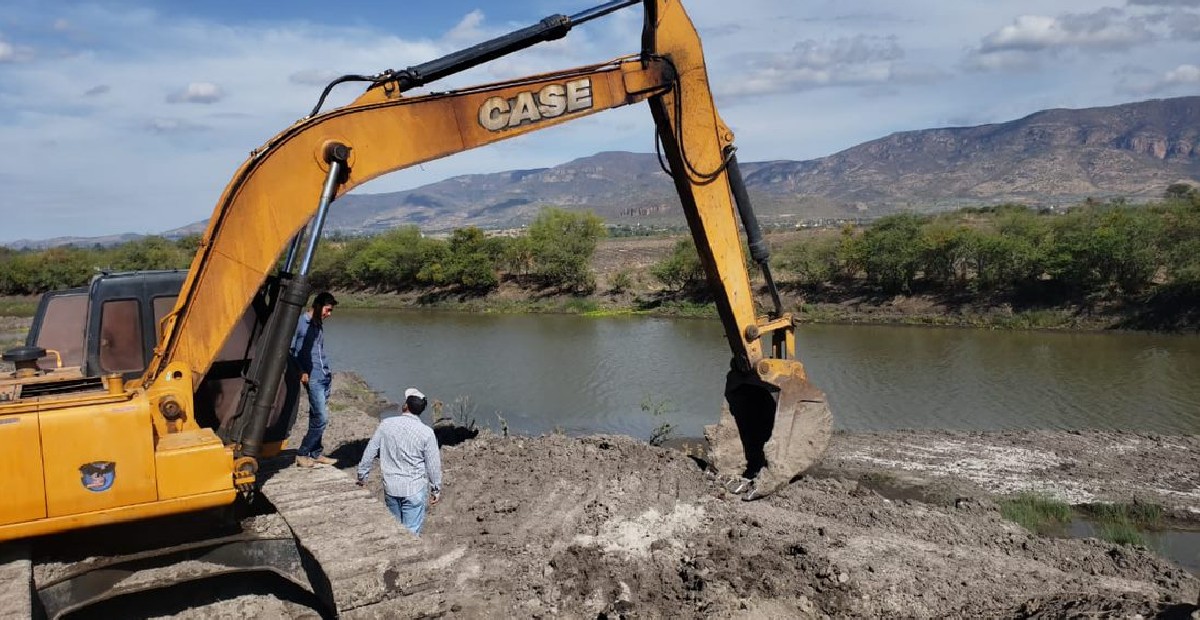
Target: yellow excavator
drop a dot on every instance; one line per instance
(148, 395)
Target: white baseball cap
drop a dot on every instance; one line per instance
(413, 392)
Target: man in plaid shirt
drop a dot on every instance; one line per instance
(409, 459)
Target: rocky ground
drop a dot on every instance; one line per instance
(608, 526)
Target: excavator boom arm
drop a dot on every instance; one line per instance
(783, 423)
(274, 194)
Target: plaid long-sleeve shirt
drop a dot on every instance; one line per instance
(408, 456)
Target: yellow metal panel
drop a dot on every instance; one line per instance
(695, 141)
(21, 469)
(192, 463)
(98, 457)
(116, 515)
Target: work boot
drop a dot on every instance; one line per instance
(324, 460)
(305, 462)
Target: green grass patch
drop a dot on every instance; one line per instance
(1121, 533)
(1124, 523)
(1140, 514)
(579, 305)
(685, 309)
(812, 313)
(22, 306)
(1036, 513)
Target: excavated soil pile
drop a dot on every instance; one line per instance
(609, 526)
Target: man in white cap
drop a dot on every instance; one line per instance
(409, 459)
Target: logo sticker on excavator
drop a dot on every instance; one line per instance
(528, 107)
(98, 476)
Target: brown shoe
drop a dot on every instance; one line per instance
(306, 462)
(324, 460)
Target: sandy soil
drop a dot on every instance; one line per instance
(608, 526)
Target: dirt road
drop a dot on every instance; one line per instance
(611, 527)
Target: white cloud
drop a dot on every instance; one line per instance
(1183, 74)
(1104, 29)
(847, 61)
(469, 29)
(1182, 79)
(197, 92)
(793, 80)
(1031, 40)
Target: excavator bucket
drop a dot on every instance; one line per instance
(774, 426)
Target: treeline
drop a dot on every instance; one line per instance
(1092, 251)
(1089, 251)
(555, 251)
(33, 272)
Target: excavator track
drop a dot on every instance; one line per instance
(56, 575)
(370, 565)
(326, 536)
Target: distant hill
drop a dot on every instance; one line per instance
(1052, 157)
(195, 228)
(41, 244)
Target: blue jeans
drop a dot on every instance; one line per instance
(318, 418)
(410, 511)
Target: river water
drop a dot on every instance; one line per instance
(630, 374)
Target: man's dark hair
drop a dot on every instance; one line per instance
(324, 298)
(415, 404)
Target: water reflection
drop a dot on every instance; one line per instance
(581, 375)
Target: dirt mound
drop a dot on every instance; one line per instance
(608, 525)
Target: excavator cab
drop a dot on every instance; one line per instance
(108, 327)
(82, 337)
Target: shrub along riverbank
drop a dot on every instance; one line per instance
(1094, 266)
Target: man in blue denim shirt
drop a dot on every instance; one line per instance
(308, 355)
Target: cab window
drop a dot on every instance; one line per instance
(162, 306)
(121, 337)
(61, 329)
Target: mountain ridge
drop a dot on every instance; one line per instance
(1051, 157)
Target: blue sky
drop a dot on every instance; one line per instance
(131, 115)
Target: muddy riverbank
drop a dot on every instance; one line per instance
(607, 525)
(891, 524)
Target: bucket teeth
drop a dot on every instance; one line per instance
(770, 431)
